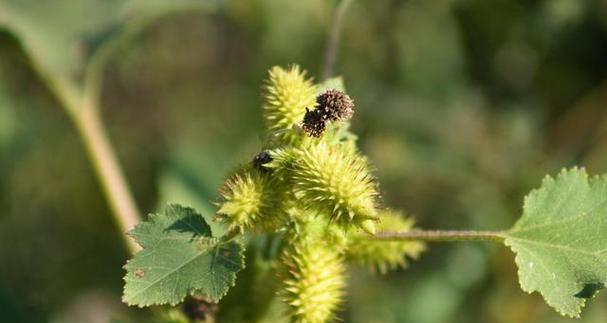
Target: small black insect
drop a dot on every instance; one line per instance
(261, 159)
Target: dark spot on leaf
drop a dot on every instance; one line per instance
(139, 273)
(589, 290)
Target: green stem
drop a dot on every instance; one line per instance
(333, 39)
(83, 110)
(108, 170)
(81, 105)
(441, 235)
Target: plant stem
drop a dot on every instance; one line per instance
(108, 170)
(83, 110)
(80, 102)
(334, 38)
(441, 235)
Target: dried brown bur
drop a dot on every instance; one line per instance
(332, 105)
(335, 105)
(313, 124)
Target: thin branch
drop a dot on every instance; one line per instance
(108, 170)
(82, 106)
(84, 112)
(442, 235)
(333, 39)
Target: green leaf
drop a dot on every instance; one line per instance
(179, 257)
(561, 240)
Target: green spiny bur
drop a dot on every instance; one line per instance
(287, 95)
(317, 189)
(315, 280)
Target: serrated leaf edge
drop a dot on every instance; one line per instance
(152, 218)
(547, 182)
(519, 265)
(242, 264)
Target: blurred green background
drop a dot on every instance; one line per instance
(463, 106)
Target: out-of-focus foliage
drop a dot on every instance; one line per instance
(66, 41)
(462, 106)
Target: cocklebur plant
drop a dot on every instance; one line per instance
(312, 192)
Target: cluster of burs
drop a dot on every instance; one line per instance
(311, 184)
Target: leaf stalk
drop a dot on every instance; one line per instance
(441, 235)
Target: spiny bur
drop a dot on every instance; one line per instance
(337, 181)
(313, 123)
(315, 274)
(311, 184)
(335, 105)
(287, 95)
(246, 198)
(332, 105)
